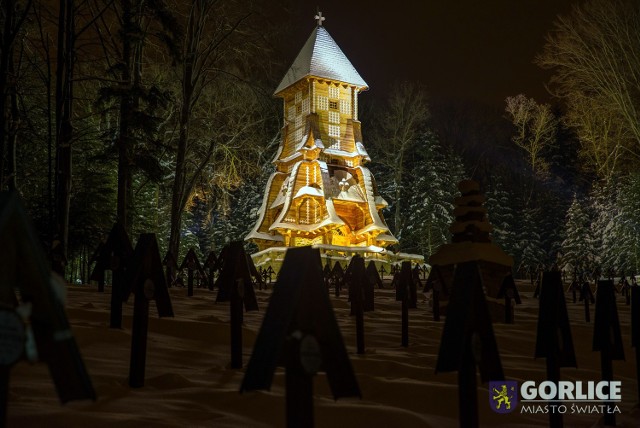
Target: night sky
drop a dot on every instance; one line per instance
(481, 51)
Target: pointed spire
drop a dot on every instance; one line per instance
(321, 57)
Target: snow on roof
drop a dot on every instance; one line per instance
(380, 201)
(385, 237)
(309, 191)
(361, 150)
(368, 186)
(349, 195)
(352, 249)
(321, 57)
(255, 232)
(341, 153)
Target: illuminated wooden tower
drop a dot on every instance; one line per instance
(321, 193)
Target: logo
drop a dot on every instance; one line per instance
(503, 396)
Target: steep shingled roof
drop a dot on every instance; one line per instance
(321, 57)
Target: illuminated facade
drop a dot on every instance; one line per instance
(321, 193)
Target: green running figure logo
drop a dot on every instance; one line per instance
(503, 396)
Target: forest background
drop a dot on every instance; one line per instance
(160, 114)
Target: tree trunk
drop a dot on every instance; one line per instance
(397, 216)
(14, 123)
(178, 194)
(178, 197)
(64, 130)
(9, 7)
(125, 158)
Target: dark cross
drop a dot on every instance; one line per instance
(300, 331)
(425, 271)
(606, 335)
(257, 278)
(326, 272)
(373, 275)
(212, 265)
(235, 286)
(57, 255)
(554, 341)
(25, 273)
(360, 295)
(337, 275)
(382, 271)
(415, 275)
(394, 269)
(635, 329)
(536, 292)
(148, 282)
(574, 287)
(468, 339)
(509, 292)
(191, 263)
(586, 296)
(171, 266)
(436, 284)
(115, 255)
(269, 272)
(98, 271)
(624, 289)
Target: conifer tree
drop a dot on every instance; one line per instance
(501, 214)
(429, 194)
(577, 252)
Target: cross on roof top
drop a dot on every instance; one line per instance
(319, 18)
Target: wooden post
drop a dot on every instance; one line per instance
(190, 282)
(338, 276)
(382, 271)
(211, 264)
(468, 321)
(295, 317)
(12, 343)
(117, 286)
(139, 331)
(148, 282)
(435, 284)
(467, 389)
(4, 394)
(116, 254)
(299, 394)
(606, 335)
(373, 275)
(553, 375)
(586, 295)
(435, 296)
(326, 274)
(191, 263)
(509, 291)
(171, 265)
(101, 283)
(358, 283)
(98, 272)
(236, 319)
(236, 287)
(554, 341)
(404, 294)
